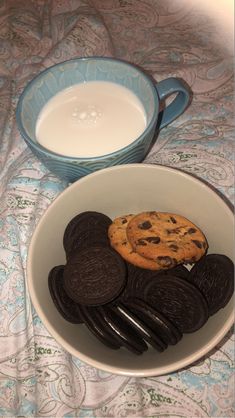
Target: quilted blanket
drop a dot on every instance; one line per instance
(166, 38)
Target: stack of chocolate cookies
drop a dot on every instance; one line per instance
(126, 280)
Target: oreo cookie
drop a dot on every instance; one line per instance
(179, 300)
(86, 229)
(137, 279)
(144, 331)
(214, 277)
(179, 271)
(94, 276)
(157, 322)
(98, 329)
(85, 239)
(129, 338)
(69, 309)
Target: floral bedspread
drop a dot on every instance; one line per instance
(37, 377)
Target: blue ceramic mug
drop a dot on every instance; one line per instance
(82, 70)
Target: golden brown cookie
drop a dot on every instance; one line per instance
(169, 239)
(118, 240)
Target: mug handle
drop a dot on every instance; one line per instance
(166, 88)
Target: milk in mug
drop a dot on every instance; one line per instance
(90, 119)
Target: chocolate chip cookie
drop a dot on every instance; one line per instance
(118, 240)
(166, 238)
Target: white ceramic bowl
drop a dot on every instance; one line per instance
(116, 191)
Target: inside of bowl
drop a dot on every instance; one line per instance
(118, 191)
(64, 75)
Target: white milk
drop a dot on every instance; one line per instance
(90, 119)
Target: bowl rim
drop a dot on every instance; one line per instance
(156, 371)
(52, 154)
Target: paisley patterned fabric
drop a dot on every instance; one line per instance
(37, 377)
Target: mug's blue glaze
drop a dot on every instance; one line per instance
(60, 76)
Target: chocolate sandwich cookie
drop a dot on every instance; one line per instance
(156, 321)
(85, 220)
(168, 239)
(97, 328)
(214, 277)
(179, 300)
(179, 271)
(129, 338)
(136, 282)
(85, 229)
(94, 276)
(86, 239)
(118, 240)
(138, 277)
(69, 309)
(145, 332)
